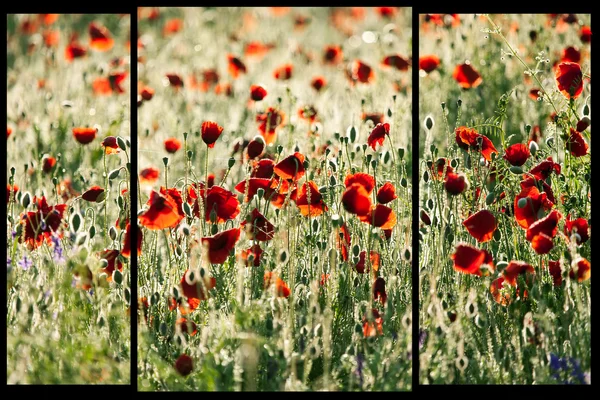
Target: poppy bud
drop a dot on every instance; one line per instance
(114, 173)
(429, 123)
(117, 276)
(533, 147)
(26, 200)
(185, 229)
(92, 232)
(76, 222)
(121, 143)
(165, 161)
(112, 233)
(401, 153)
(586, 110)
(516, 170)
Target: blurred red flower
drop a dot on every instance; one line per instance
(481, 225)
(39, 225)
(466, 76)
(220, 245)
(291, 167)
(258, 227)
(162, 212)
(378, 134)
(100, 38)
(210, 133)
(316, 206)
(84, 135)
(257, 93)
(172, 145)
(517, 154)
(429, 63)
(469, 260)
(569, 79)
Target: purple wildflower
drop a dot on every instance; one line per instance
(25, 263)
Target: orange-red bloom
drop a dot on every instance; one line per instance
(258, 227)
(481, 225)
(356, 199)
(517, 154)
(569, 79)
(579, 226)
(283, 72)
(576, 144)
(359, 71)
(48, 163)
(110, 85)
(469, 260)
(172, 26)
(469, 138)
(535, 201)
(516, 268)
(547, 225)
(397, 61)
(235, 66)
(585, 34)
(11, 189)
(378, 135)
(84, 135)
(195, 286)
(291, 167)
(316, 206)
(269, 121)
(543, 170)
(100, 38)
(74, 50)
(172, 145)
(466, 76)
(162, 212)
(374, 257)
(210, 133)
(223, 203)
(93, 194)
(581, 270)
(372, 326)
(257, 93)
(380, 216)
(126, 251)
(455, 184)
(281, 288)
(437, 168)
(386, 193)
(149, 175)
(220, 245)
(114, 262)
(318, 83)
(39, 225)
(495, 289)
(429, 63)
(110, 145)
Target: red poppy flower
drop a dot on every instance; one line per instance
(536, 201)
(110, 85)
(172, 145)
(253, 185)
(283, 72)
(356, 200)
(547, 225)
(542, 243)
(11, 189)
(379, 292)
(292, 167)
(343, 241)
(114, 262)
(378, 135)
(263, 169)
(380, 216)
(146, 92)
(210, 133)
(469, 260)
(386, 193)
(257, 93)
(48, 163)
(516, 268)
(556, 272)
(126, 250)
(517, 154)
(324, 279)
(374, 257)
(576, 144)
(184, 365)
(49, 19)
(281, 288)
(466, 76)
(175, 195)
(8, 131)
(40, 225)
(372, 326)
(397, 61)
(187, 326)
(579, 226)
(316, 206)
(530, 182)
(149, 175)
(220, 245)
(252, 255)
(225, 89)
(571, 54)
(499, 293)
(386, 11)
(376, 118)
(429, 63)
(469, 138)
(195, 288)
(256, 147)
(257, 49)
(583, 124)
(332, 55)
(585, 34)
(543, 170)
(258, 227)
(569, 79)
(359, 71)
(366, 180)
(308, 113)
(481, 225)
(222, 202)
(100, 38)
(535, 93)
(162, 212)
(73, 51)
(84, 135)
(172, 26)
(110, 145)
(581, 270)
(269, 121)
(437, 168)
(175, 80)
(93, 194)
(51, 38)
(318, 83)
(455, 184)
(235, 66)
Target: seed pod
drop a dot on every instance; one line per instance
(429, 123)
(112, 233)
(489, 199)
(26, 200)
(516, 170)
(117, 276)
(75, 221)
(92, 232)
(114, 174)
(121, 143)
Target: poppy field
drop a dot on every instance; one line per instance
(274, 173)
(67, 199)
(504, 181)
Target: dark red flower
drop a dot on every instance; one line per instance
(517, 154)
(235, 66)
(344, 241)
(172, 145)
(372, 324)
(571, 54)
(100, 38)
(379, 292)
(466, 76)
(316, 206)
(359, 71)
(397, 61)
(481, 225)
(110, 145)
(386, 193)
(220, 245)
(146, 92)
(429, 63)
(39, 225)
(547, 225)
(455, 184)
(361, 178)
(376, 118)
(184, 365)
(281, 288)
(252, 255)
(110, 85)
(586, 34)
(223, 203)
(48, 163)
(583, 124)
(263, 169)
(535, 93)
(114, 262)
(84, 135)
(253, 185)
(332, 55)
(258, 227)
(516, 268)
(292, 167)
(257, 93)
(256, 147)
(469, 260)
(162, 212)
(579, 226)
(149, 175)
(283, 72)
(73, 51)
(126, 251)
(582, 270)
(469, 138)
(378, 135)
(386, 11)
(210, 133)
(542, 243)
(374, 258)
(535, 201)
(569, 79)
(186, 326)
(269, 121)
(318, 83)
(576, 144)
(543, 170)
(175, 80)
(356, 200)
(531, 182)
(380, 216)
(93, 194)
(195, 287)
(555, 272)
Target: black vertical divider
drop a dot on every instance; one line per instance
(133, 199)
(415, 198)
